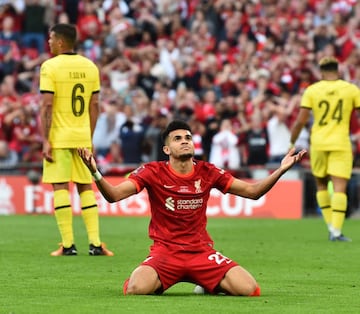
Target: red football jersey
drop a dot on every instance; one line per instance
(178, 202)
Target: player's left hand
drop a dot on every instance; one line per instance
(88, 159)
(292, 158)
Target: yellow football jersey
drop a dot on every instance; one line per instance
(332, 103)
(72, 79)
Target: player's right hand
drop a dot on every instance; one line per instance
(88, 159)
(46, 151)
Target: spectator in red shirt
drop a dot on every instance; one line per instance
(88, 22)
(10, 99)
(349, 41)
(25, 137)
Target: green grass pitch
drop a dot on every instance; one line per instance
(298, 269)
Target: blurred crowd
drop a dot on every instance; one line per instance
(235, 70)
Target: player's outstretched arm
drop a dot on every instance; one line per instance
(111, 193)
(257, 189)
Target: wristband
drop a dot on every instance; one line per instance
(97, 175)
(292, 145)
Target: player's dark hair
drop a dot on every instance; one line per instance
(66, 31)
(175, 125)
(329, 64)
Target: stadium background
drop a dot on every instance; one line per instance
(203, 61)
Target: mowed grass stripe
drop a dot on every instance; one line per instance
(298, 269)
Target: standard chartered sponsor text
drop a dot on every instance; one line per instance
(189, 204)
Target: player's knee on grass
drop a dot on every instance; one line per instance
(251, 290)
(132, 287)
(239, 282)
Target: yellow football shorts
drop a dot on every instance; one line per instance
(67, 166)
(335, 163)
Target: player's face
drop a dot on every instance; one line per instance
(53, 43)
(180, 145)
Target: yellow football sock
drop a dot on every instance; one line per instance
(63, 215)
(338, 205)
(323, 200)
(90, 215)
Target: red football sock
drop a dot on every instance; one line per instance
(256, 293)
(126, 283)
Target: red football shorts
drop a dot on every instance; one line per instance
(206, 268)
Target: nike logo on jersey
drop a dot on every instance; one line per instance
(168, 186)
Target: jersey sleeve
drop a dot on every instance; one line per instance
(46, 81)
(143, 175)
(221, 178)
(97, 86)
(357, 97)
(306, 99)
